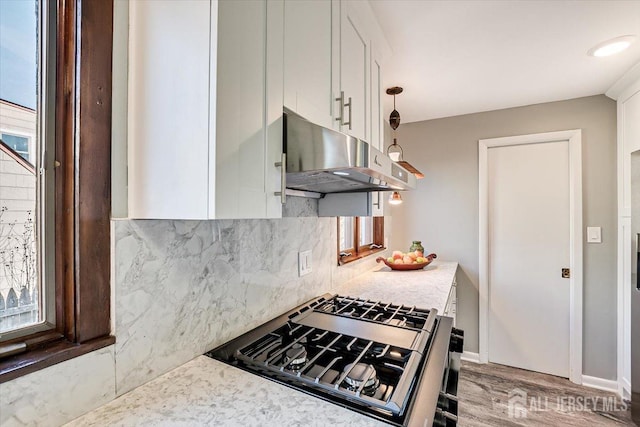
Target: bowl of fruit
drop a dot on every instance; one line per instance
(407, 261)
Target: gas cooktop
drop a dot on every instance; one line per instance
(368, 356)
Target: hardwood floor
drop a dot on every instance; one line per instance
(495, 395)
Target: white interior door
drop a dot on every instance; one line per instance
(529, 241)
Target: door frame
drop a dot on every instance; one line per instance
(576, 239)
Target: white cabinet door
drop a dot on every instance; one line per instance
(354, 72)
(308, 59)
(377, 94)
(168, 131)
(274, 102)
(205, 109)
(377, 123)
(241, 166)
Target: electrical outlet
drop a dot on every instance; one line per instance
(304, 263)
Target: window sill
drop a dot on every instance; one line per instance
(347, 260)
(46, 355)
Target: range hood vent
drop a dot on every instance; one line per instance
(325, 161)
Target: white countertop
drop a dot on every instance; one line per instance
(206, 392)
(426, 288)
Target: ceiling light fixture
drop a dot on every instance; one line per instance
(611, 47)
(395, 198)
(395, 150)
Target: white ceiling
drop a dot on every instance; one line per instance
(460, 57)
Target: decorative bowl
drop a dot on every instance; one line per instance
(406, 267)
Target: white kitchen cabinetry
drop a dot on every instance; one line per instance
(356, 83)
(353, 106)
(327, 54)
(377, 121)
(168, 119)
(310, 34)
(248, 129)
(207, 84)
(377, 94)
(205, 107)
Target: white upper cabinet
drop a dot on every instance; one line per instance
(333, 77)
(327, 47)
(353, 107)
(377, 94)
(308, 59)
(168, 123)
(377, 121)
(207, 84)
(205, 107)
(248, 135)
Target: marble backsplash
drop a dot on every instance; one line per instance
(184, 287)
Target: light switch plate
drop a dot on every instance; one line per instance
(304, 263)
(594, 235)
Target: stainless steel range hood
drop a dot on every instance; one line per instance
(322, 160)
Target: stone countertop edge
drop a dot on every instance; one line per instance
(207, 392)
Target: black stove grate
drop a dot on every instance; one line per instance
(376, 311)
(327, 360)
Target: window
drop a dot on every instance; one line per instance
(19, 144)
(69, 241)
(23, 198)
(359, 237)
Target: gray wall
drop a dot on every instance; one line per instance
(443, 212)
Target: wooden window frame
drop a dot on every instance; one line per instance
(84, 35)
(359, 252)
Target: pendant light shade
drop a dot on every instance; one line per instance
(395, 150)
(395, 198)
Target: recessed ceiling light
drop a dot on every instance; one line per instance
(611, 47)
(341, 173)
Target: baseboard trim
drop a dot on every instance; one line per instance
(469, 356)
(600, 383)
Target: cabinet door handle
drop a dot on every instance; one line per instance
(342, 105)
(340, 99)
(350, 105)
(378, 197)
(282, 164)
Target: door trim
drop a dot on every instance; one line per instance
(575, 225)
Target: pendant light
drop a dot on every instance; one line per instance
(395, 150)
(395, 198)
